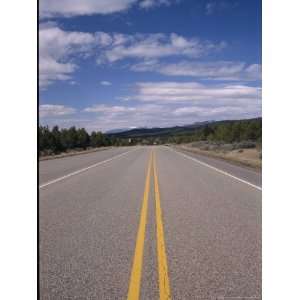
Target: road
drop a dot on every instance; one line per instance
(148, 223)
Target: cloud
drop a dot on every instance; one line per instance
(106, 117)
(153, 46)
(164, 104)
(210, 7)
(102, 108)
(105, 83)
(51, 110)
(143, 115)
(180, 92)
(60, 51)
(214, 6)
(207, 112)
(175, 107)
(56, 48)
(109, 117)
(146, 4)
(71, 8)
(220, 70)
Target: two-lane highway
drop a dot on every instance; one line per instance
(148, 223)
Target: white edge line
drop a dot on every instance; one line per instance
(84, 169)
(216, 169)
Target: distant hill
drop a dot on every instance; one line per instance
(56, 140)
(171, 131)
(117, 130)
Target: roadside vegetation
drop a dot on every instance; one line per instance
(55, 141)
(245, 153)
(220, 137)
(226, 132)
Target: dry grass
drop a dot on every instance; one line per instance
(72, 153)
(247, 157)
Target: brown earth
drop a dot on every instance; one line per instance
(72, 153)
(247, 157)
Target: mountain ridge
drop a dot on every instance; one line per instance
(165, 131)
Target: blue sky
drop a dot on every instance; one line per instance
(107, 64)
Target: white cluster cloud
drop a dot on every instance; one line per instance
(162, 104)
(116, 47)
(59, 49)
(102, 108)
(52, 110)
(105, 83)
(219, 70)
(55, 49)
(154, 3)
(107, 117)
(174, 103)
(71, 8)
(178, 92)
(205, 112)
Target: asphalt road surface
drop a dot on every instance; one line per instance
(148, 223)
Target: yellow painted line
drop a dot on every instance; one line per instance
(163, 278)
(136, 272)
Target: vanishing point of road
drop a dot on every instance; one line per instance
(148, 223)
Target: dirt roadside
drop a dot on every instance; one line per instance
(245, 157)
(73, 153)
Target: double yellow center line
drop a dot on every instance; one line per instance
(136, 273)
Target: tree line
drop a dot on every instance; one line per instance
(56, 140)
(224, 132)
(215, 132)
